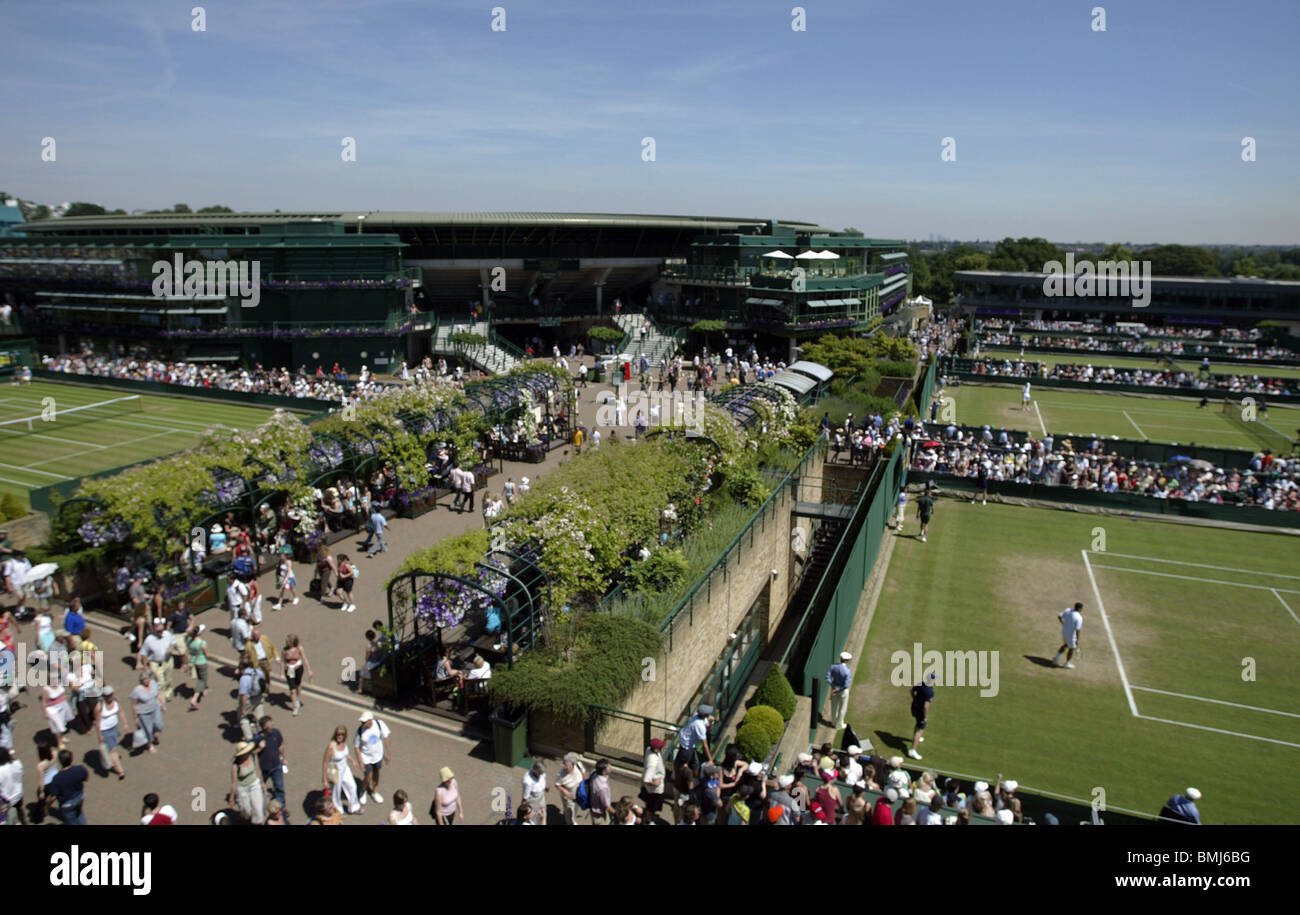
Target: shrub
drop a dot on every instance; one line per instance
(602, 667)
(900, 369)
(753, 742)
(777, 693)
(767, 718)
(664, 569)
(605, 334)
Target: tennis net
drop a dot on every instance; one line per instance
(53, 415)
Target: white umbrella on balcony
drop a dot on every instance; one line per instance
(808, 256)
(828, 255)
(780, 254)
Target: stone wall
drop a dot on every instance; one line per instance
(701, 630)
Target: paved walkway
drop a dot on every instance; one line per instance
(191, 771)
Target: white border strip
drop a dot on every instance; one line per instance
(1101, 607)
(1253, 708)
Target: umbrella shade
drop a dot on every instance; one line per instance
(780, 254)
(931, 444)
(828, 255)
(1200, 465)
(808, 256)
(1179, 458)
(38, 572)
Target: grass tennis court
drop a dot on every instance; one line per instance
(1074, 412)
(1186, 363)
(1203, 622)
(78, 443)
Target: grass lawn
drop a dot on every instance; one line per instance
(74, 444)
(1192, 612)
(1075, 412)
(1187, 363)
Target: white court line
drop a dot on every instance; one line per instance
(45, 473)
(1253, 708)
(19, 483)
(1209, 581)
(64, 457)
(1201, 727)
(1123, 677)
(1135, 425)
(53, 438)
(1040, 418)
(1199, 565)
(1285, 604)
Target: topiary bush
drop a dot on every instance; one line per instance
(767, 718)
(11, 507)
(753, 742)
(777, 693)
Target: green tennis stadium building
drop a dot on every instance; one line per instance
(375, 287)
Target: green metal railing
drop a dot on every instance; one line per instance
(687, 603)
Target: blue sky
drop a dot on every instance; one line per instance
(1132, 134)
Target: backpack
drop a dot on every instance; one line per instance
(583, 795)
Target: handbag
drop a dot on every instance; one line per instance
(139, 738)
(332, 773)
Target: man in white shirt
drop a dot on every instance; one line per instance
(373, 746)
(1071, 622)
(534, 791)
(240, 632)
(236, 596)
(156, 652)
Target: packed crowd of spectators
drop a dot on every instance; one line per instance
(1158, 378)
(1136, 346)
(1220, 334)
(1269, 482)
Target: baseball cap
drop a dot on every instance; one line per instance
(1006, 817)
(756, 768)
(855, 750)
(656, 743)
(846, 656)
(1010, 785)
(705, 711)
(896, 761)
(785, 781)
(981, 786)
(1193, 794)
(366, 716)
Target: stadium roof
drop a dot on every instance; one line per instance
(401, 218)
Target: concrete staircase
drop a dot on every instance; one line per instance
(490, 357)
(656, 345)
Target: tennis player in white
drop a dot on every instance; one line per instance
(1025, 397)
(1071, 622)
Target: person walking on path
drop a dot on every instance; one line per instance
(653, 774)
(264, 652)
(197, 646)
(374, 750)
(295, 663)
(325, 567)
(375, 526)
(147, 711)
(467, 482)
(271, 758)
(245, 787)
(840, 677)
(347, 575)
(446, 799)
(402, 814)
(286, 582)
(251, 708)
(336, 772)
(108, 725)
(157, 653)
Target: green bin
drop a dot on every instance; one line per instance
(598, 374)
(509, 736)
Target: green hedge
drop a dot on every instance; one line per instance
(767, 718)
(753, 742)
(596, 659)
(777, 693)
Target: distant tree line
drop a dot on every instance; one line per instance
(932, 271)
